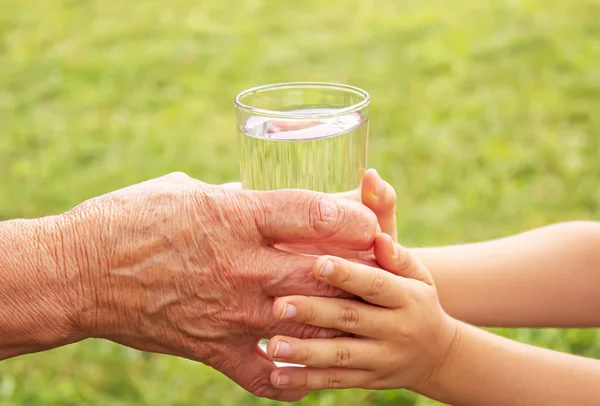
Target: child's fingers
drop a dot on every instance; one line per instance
(315, 378)
(396, 259)
(326, 353)
(372, 284)
(380, 197)
(339, 314)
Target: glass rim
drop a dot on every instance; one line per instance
(291, 85)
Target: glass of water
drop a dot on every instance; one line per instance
(303, 136)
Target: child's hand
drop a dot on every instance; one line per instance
(404, 333)
(380, 197)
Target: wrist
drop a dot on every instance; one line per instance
(81, 250)
(440, 380)
(84, 257)
(67, 268)
(38, 295)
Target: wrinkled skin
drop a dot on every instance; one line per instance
(180, 267)
(376, 194)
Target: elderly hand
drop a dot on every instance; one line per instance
(177, 266)
(375, 193)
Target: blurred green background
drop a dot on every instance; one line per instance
(484, 117)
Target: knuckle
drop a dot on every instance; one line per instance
(342, 357)
(404, 333)
(348, 318)
(333, 381)
(260, 212)
(177, 176)
(376, 284)
(324, 214)
(415, 296)
(252, 202)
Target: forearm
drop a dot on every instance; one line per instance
(485, 369)
(545, 277)
(38, 292)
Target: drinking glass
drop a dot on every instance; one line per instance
(303, 136)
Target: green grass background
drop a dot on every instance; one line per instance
(484, 117)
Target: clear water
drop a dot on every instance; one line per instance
(325, 155)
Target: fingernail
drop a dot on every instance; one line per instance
(327, 268)
(283, 380)
(289, 311)
(283, 350)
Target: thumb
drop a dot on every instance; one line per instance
(380, 197)
(302, 216)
